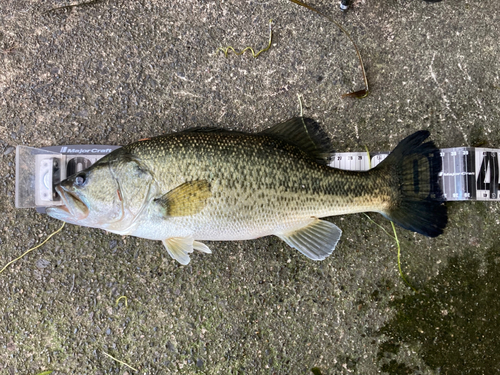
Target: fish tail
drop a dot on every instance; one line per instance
(416, 199)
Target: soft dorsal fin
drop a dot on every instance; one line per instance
(206, 129)
(306, 134)
(186, 199)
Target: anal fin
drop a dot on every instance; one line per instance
(179, 248)
(316, 240)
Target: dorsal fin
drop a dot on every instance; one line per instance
(205, 129)
(306, 134)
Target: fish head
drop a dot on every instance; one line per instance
(89, 198)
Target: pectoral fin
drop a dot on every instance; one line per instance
(186, 199)
(315, 240)
(179, 248)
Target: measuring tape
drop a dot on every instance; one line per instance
(468, 174)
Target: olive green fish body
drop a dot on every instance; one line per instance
(259, 185)
(206, 184)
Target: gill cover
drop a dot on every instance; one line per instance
(108, 195)
(133, 186)
(89, 198)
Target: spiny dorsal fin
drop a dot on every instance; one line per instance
(186, 199)
(306, 134)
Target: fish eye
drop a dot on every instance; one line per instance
(80, 180)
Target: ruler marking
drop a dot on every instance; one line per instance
(467, 173)
(472, 175)
(494, 177)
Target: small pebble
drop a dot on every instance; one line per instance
(8, 150)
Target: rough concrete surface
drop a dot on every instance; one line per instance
(114, 71)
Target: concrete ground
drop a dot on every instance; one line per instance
(114, 71)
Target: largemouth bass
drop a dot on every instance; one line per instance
(218, 185)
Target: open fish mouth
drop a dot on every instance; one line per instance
(72, 208)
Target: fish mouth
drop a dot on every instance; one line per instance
(72, 209)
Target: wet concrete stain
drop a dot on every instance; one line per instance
(454, 322)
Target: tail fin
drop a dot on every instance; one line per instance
(417, 202)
